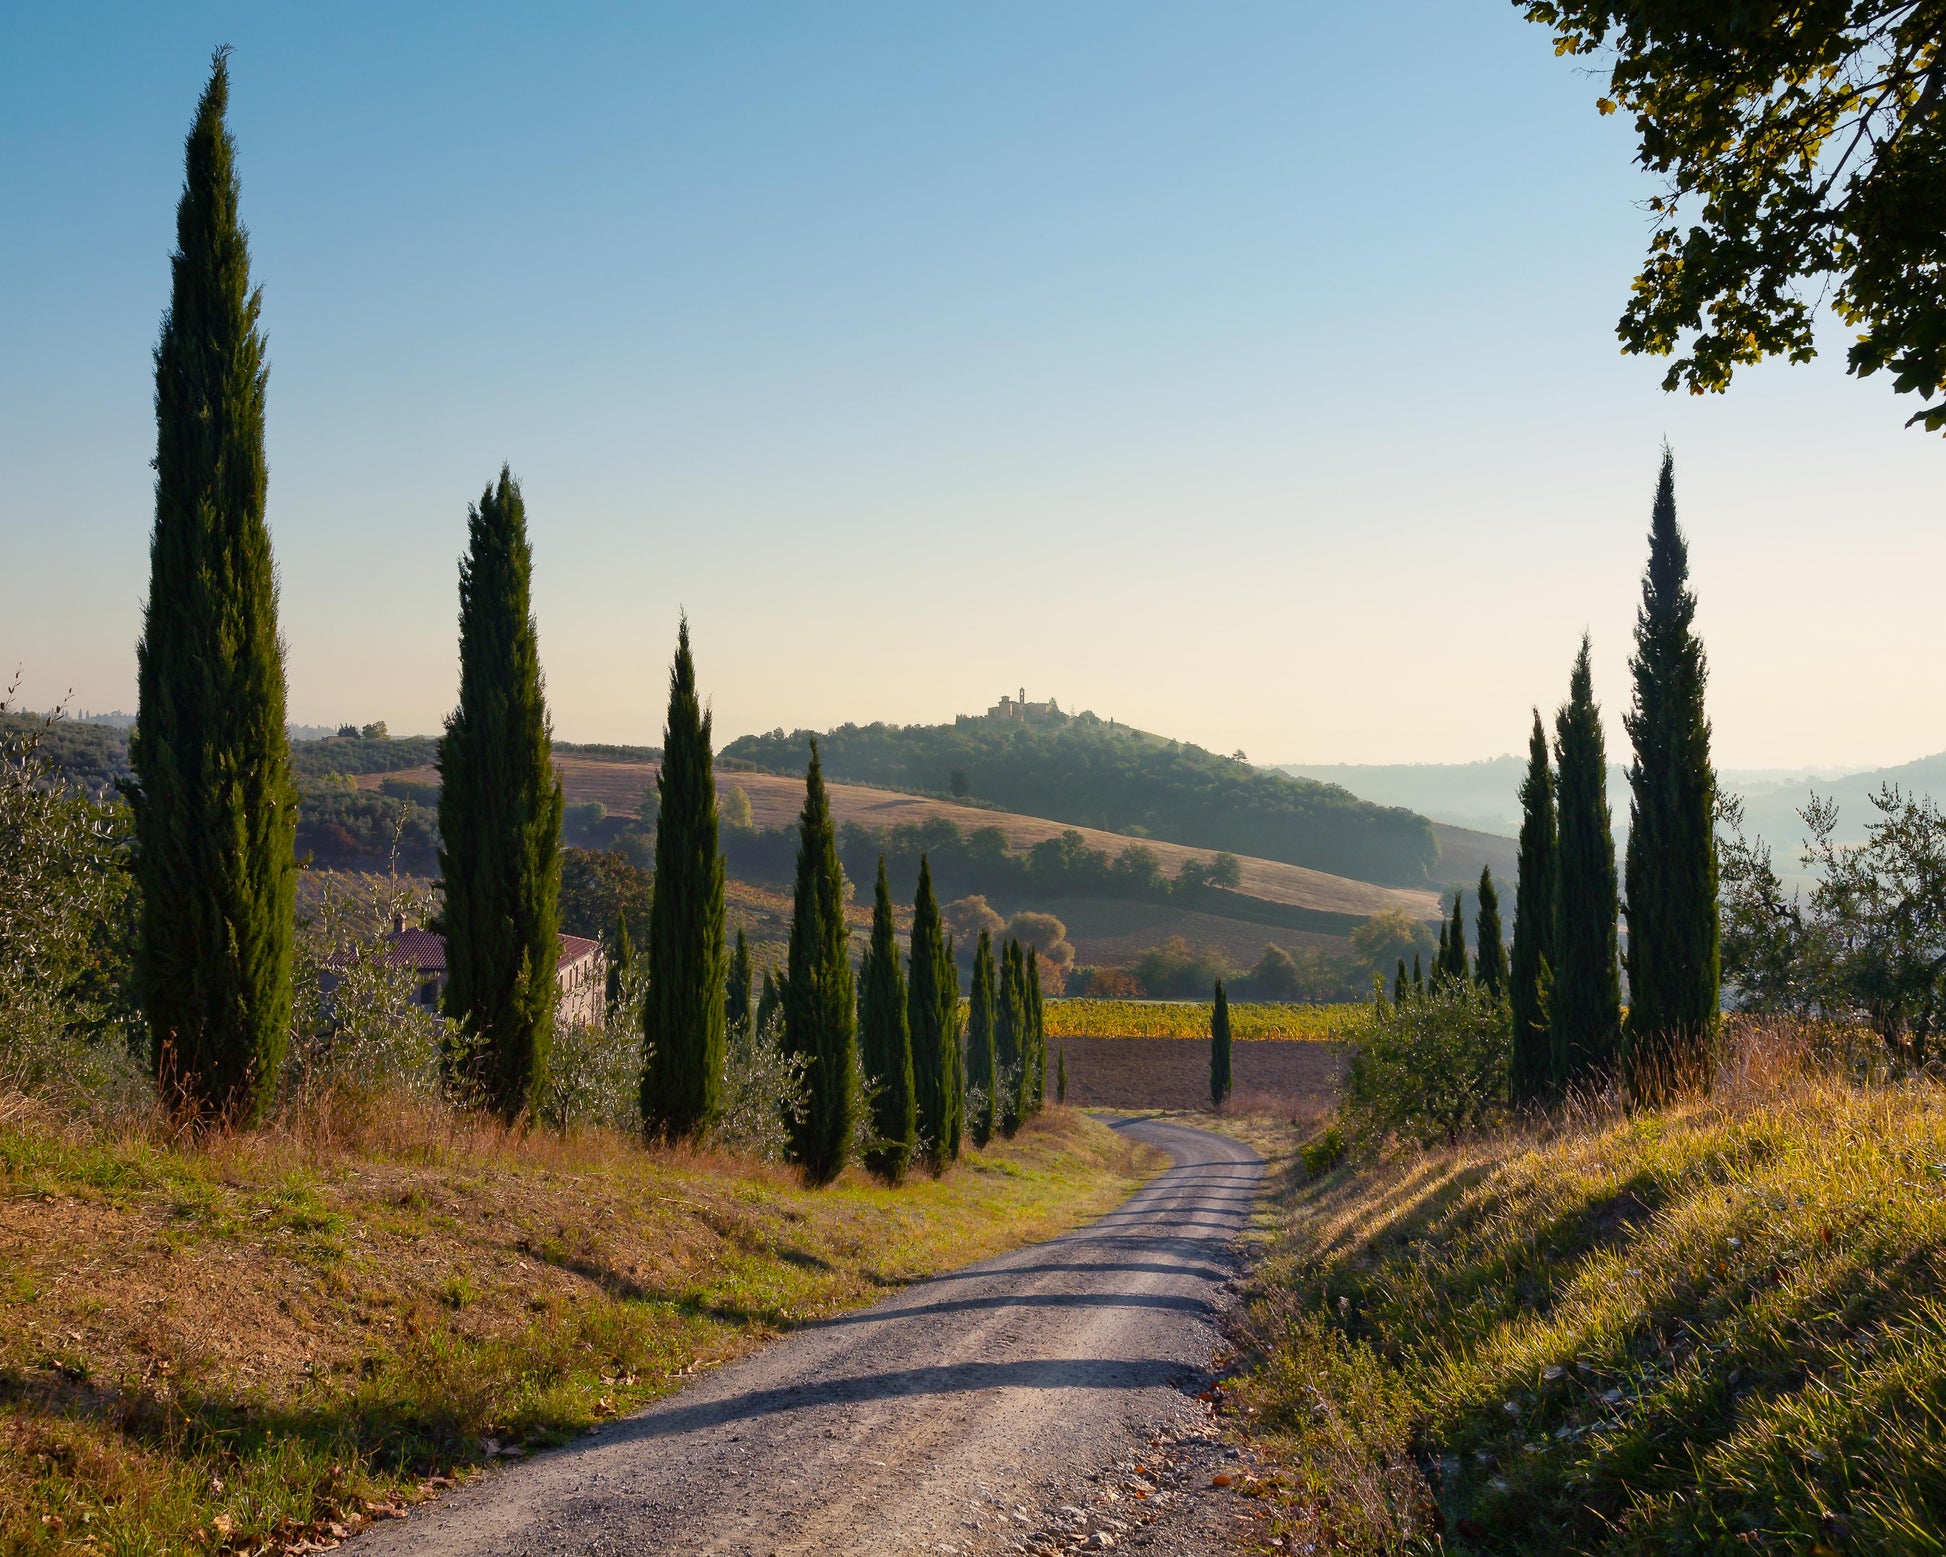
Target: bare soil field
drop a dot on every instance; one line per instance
(1268, 1077)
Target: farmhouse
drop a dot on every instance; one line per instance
(581, 971)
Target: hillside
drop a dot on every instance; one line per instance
(1087, 772)
(1710, 1328)
(776, 800)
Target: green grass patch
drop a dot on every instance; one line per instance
(1721, 1328)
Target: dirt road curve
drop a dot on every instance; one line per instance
(981, 1411)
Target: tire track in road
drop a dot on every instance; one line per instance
(951, 1417)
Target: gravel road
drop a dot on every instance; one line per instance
(1044, 1400)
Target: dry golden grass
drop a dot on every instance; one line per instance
(244, 1341)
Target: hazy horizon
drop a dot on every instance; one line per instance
(910, 351)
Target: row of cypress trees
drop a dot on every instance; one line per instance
(1488, 965)
(1569, 1026)
(1006, 1040)
(926, 1094)
(215, 806)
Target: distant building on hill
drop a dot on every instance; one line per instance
(581, 970)
(1020, 709)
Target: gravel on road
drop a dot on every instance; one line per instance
(1042, 1401)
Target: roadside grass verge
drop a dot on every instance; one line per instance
(256, 1342)
(1720, 1327)
(1082, 1017)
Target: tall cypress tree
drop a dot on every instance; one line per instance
(621, 963)
(932, 1018)
(1036, 1032)
(819, 1009)
(885, 1042)
(215, 812)
(1012, 1038)
(500, 819)
(981, 1075)
(1674, 950)
(736, 992)
(768, 1000)
(1418, 976)
(1399, 985)
(683, 1015)
(1455, 941)
(1219, 1048)
(1586, 1008)
(1532, 967)
(1443, 955)
(955, 1043)
(1490, 953)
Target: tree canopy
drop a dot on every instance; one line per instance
(1802, 149)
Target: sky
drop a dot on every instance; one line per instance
(1243, 372)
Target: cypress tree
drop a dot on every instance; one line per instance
(215, 812)
(885, 1042)
(1036, 1030)
(1532, 967)
(955, 1042)
(768, 1000)
(1399, 985)
(1455, 969)
(683, 1016)
(500, 819)
(1490, 954)
(1418, 976)
(981, 1077)
(621, 963)
(932, 1018)
(819, 1007)
(736, 993)
(1674, 951)
(1219, 1048)
(1440, 957)
(1011, 1038)
(1586, 1008)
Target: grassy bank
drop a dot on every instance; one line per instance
(1720, 1328)
(257, 1341)
(1085, 1018)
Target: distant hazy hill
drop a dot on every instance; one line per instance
(1095, 774)
(1485, 795)
(1480, 795)
(1770, 806)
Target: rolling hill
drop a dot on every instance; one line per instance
(1087, 772)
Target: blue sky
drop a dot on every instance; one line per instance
(1245, 372)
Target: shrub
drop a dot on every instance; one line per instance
(1323, 1151)
(1431, 1067)
(67, 1025)
(965, 918)
(594, 1069)
(1178, 969)
(764, 1094)
(361, 1029)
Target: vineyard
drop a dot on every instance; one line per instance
(1190, 1019)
